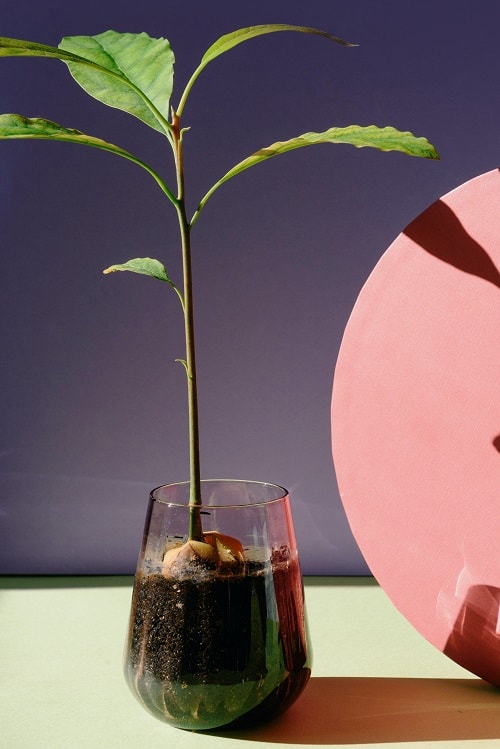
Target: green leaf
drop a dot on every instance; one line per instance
(146, 266)
(17, 126)
(21, 48)
(384, 139)
(228, 41)
(131, 72)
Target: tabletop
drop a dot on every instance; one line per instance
(375, 680)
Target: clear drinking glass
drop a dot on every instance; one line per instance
(218, 644)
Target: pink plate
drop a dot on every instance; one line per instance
(416, 424)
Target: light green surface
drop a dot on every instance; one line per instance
(375, 682)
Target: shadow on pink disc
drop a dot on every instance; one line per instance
(416, 424)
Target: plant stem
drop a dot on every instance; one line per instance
(195, 528)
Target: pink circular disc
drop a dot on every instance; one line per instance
(416, 424)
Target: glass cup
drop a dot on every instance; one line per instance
(221, 639)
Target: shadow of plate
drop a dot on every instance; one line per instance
(358, 710)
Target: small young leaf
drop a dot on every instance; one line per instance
(147, 266)
(133, 73)
(384, 139)
(184, 364)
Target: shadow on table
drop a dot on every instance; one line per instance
(357, 710)
(475, 639)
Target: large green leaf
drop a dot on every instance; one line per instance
(384, 139)
(131, 72)
(13, 126)
(134, 73)
(228, 41)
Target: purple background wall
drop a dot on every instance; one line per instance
(92, 404)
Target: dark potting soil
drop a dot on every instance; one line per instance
(207, 651)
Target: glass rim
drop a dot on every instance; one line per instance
(281, 492)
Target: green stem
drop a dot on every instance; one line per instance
(187, 90)
(195, 528)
